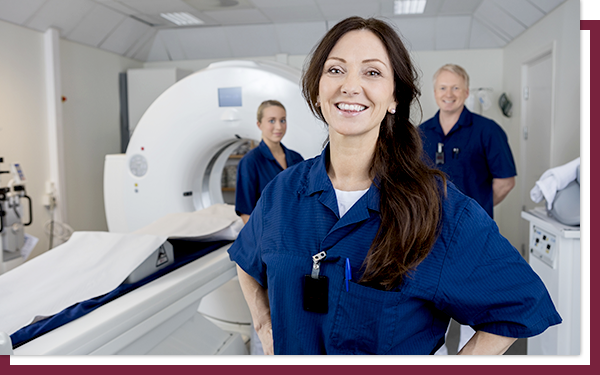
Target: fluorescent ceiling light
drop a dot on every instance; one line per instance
(409, 6)
(182, 19)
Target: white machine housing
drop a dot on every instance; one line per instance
(555, 255)
(175, 158)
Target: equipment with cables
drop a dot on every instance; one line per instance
(12, 225)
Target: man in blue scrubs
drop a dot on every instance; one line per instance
(471, 149)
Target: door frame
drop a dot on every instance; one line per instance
(538, 54)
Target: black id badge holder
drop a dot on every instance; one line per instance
(439, 155)
(316, 288)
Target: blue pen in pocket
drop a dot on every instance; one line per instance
(348, 273)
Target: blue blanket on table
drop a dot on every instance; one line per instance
(184, 252)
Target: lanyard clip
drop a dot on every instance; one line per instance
(316, 266)
(439, 155)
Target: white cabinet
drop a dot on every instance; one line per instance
(555, 255)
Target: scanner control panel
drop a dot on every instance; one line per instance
(543, 246)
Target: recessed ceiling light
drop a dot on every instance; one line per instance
(182, 18)
(409, 6)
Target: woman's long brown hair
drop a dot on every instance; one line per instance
(411, 192)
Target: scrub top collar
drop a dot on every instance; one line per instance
(465, 120)
(266, 151)
(318, 182)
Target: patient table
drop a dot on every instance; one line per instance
(157, 314)
(158, 318)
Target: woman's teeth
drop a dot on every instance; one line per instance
(351, 107)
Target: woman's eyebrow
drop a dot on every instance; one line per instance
(374, 60)
(364, 61)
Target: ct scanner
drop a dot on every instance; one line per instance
(177, 152)
(173, 163)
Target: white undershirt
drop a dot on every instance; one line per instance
(346, 199)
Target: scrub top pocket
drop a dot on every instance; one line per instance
(366, 319)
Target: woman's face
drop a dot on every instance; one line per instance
(273, 124)
(356, 88)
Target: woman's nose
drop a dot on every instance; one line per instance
(351, 85)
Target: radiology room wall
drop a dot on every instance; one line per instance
(89, 79)
(23, 135)
(561, 29)
(90, 120)
(91, 115)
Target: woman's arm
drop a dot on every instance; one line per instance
(245, 218)
(258, 301)
(484, 343)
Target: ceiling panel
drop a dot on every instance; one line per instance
(95, 26)
(452, 32)
(238, 16)
(141, 49)
(546, 5)
(299, 38)
(523, 11)
(124, 36)
(210, 5)
(158, 6)
(203, 43)
(158, 52)
(491, 14)
(280, 15)
(64, 15)
(279, 26)
(172, 42)
(333, 10)
(19, 14)
(450, 7)
(417, 33)
(253, 40)
(482, 37)
(282, 3)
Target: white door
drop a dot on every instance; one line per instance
(537, 129)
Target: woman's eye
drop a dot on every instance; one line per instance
(283, 121)
(272, 121)
(373, 73)
(334, 70)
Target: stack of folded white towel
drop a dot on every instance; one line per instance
(554, 180)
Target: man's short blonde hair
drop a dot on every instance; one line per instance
(453, 68)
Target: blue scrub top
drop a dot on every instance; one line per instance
(482, 154)
(255, 170)
(472, 273)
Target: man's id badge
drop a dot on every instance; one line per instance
(439, 155)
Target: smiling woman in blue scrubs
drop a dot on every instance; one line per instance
(365, 249)
(263, 163)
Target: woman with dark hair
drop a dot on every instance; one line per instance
(365, 249)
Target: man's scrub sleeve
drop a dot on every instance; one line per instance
(499, 156)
